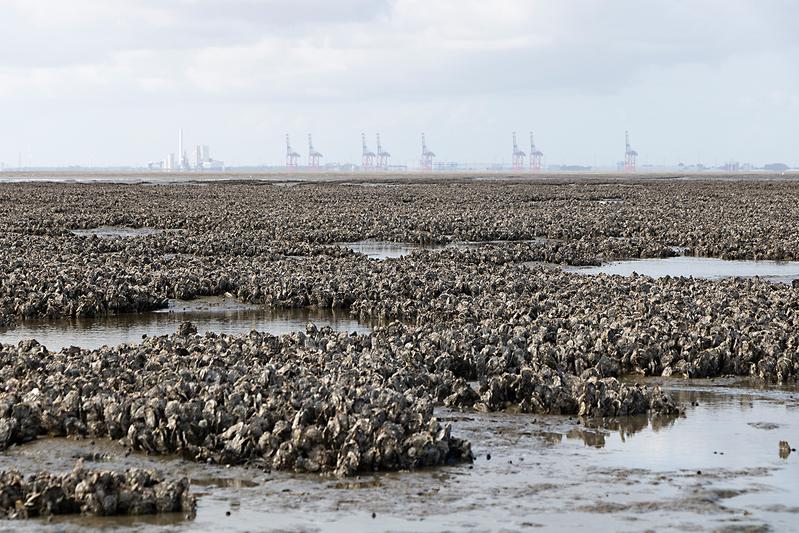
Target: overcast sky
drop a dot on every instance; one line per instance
(109, 82)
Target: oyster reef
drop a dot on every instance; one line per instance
(402, 355)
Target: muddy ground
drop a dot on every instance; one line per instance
(485, 299)
(554, 472)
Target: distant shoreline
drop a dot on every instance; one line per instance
(161, 177)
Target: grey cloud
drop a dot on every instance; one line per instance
(227, 66)
(168, 25)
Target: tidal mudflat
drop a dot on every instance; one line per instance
(717, 467)
(632, 402)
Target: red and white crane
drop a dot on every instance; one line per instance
(536, 155)
(382, 155)
(426, 161)
(630, 155)
(292, 157)
(314, 157)
(368, 157)
(518, 156)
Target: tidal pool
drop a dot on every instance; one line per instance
(393, 250)
(719, 467)
(697, 267)
(114, 232)
(208, 314)
(384, 250)
(478, 244)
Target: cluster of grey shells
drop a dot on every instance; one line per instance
(214, 238)
(320, 401)
(466, 326)
(92, 492)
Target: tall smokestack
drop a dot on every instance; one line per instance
(180, 148)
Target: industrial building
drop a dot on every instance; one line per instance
(630, 155)
(180, 161)
(426, 160)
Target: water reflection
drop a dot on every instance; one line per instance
(594, 432)
(551, 437)
(214, 315)
(385, 250)
(394, 250)
(113, 232)
(697, 267)
(721, 415)
(595, 439)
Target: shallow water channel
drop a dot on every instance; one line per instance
(219, 315)
(393, 250)
(697, 267)
(385, 250)
(717, 467)
(114, 232)
(681, 266)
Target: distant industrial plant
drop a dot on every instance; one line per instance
(380, 160)
(630, 155)
(520, 160)
(202, 159)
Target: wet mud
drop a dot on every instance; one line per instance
(709, 470)
(473, 377)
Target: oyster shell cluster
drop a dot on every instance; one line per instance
(469, 323)
(217, 237)
(320, 401)
(92, 492)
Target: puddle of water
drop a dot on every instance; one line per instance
(541, 264)
(385, 250)
(217, 315)
(478, 244)
(697, 267)
(393, 250)
(113, 232)
(551, 471)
